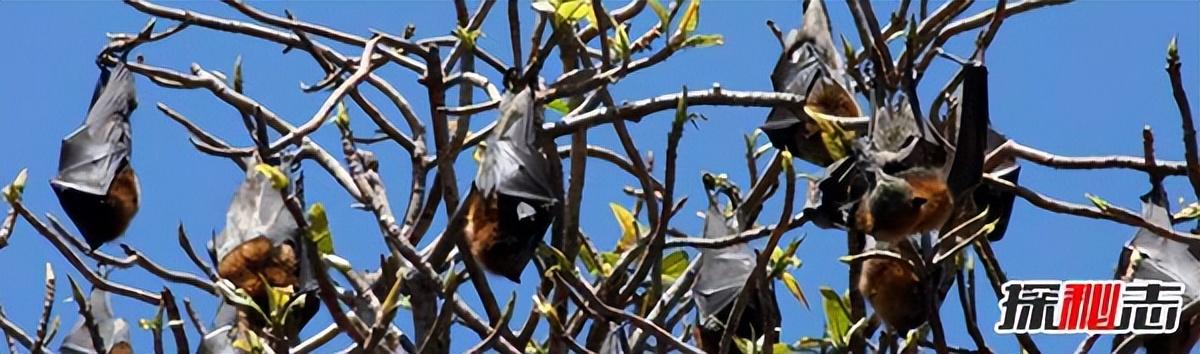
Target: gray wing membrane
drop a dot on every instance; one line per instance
(92, 154)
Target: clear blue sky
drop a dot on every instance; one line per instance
(1076, 79)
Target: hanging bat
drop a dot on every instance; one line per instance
(1148, 256)
(722, 274)
(895, 292)
(114, 331)
(261, 244)
(509, 207)
(96, 184)
(810, 66)
(915, 175)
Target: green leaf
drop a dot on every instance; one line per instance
(278, 179)
(342, 117)
(629, 233)
(1191, 211)
(561, 260)
(691, 18)
(673, 266)
(468, 37)
(664, 19)
(318, 229)
(704, 40)
(794, 287)
(836, 139)
(681, 111)
(571, 11)
(560, 105)
(13, 191)
(620, 44)
(608, 260)
(745, 345)
(1173, 49)
(837, 318)
(1098, 202)
(588, 256)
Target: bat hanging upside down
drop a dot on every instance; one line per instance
(96, 184)
(510, 204)
(916, 175)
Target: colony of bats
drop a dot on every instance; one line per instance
(899, 177)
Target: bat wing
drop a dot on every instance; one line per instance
(998, 203)
(513, 164)
(220, 339)
(723, 271)
(828, 204)
(256, 210)
(1164, 259)
(809, 66)
(91, 155)
(112, 330)
(971, 142)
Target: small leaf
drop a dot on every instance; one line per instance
(468, 37)
(545, 308)
(837, 319)
(543, 6)
(620, 44)
(573, 10)
(13, 191)
(479, 153)
(691, 18)
(1173, 49)
(342, 118)
(836, 139)
(318, 229)
(794, 287)
(278, 179)
(1098, 202)
(1191, 211)
(608, 260)
(704, 40)
(552, 253)
(745, 345)
(673, 266)
(629, 233)
(559, 105)
(664, 19)
(681, 112)
(588, 256)
(341, 264)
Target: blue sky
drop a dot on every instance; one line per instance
(1079, 79)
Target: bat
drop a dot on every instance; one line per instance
(96, 184)
(895, 292)
(915, 175)
(1148, 256)
(722, 274)
(114, 331)
(998, 203)
(510, 204)
(811, 67)
(261, 243)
